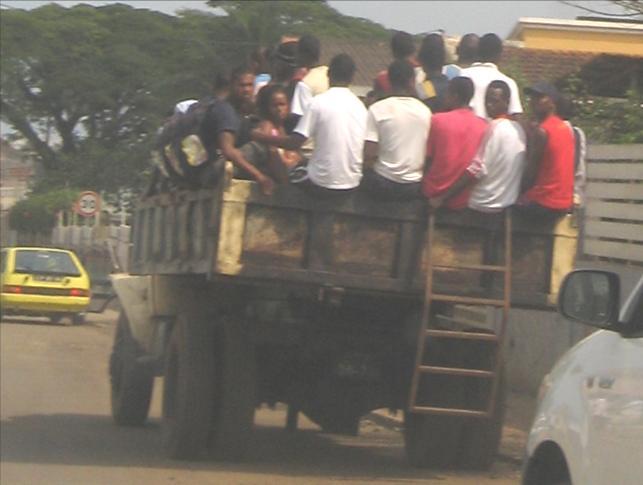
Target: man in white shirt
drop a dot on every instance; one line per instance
(496, 170)
(336, 121)
(485, 71)
(315, 81)
(396, 132)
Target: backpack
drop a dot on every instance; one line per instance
(180, 149)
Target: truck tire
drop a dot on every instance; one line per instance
(481, 437)
(188, 391)
(131, 382)
(235, 393)
(433, 441)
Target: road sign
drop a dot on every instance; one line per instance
(87, 204)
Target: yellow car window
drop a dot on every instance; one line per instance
(45, 262)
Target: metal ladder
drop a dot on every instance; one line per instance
(428, 331)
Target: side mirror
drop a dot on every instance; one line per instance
(591, 297)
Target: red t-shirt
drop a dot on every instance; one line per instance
(554, 187)
(381, 83)
(453, 141)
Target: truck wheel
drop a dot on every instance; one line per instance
(432, 441)
(481, 437)
(188, 390)
(235, 400)
(131, 382)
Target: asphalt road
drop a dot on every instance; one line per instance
(56, 428)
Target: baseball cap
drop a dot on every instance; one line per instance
(543, 88)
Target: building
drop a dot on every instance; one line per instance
(622, 38)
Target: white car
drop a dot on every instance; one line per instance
(588, 429)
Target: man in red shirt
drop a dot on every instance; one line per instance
(453, 142)
(403, 49)
(549, 175)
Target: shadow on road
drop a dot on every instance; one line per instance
(91, 440)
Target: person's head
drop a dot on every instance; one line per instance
(432, 53)
(401, 76)
(259, 60)
(242, 87)
(459, 93)
(308, 50)
(490, 48)
(467, 49)
(221, 85)
(341, 70)
(496, 99)
(565, 108)
(272, 103)
(402, 45)
(543, 98)
(284, 62)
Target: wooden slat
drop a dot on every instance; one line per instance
(614, 210)
(614, 230)
(455, 371)
(471, 413)
(462, 335)
(616, 250)
(607, 190)
(615, 171)
(615, 152)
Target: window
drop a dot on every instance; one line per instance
(45, 262)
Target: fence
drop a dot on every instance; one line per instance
(613, 222)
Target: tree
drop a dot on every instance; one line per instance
(264, 22)
(88, 87)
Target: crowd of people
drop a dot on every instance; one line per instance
(454, 134)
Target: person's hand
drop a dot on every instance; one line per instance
(266, 183)
(436, 202)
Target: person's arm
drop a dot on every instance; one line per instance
(293, 141)
(536, 142)
(463, 182)
(371, 150)
(230, 152)
(371, 143)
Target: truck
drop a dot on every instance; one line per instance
(334, 308)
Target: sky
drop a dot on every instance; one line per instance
(454, 17)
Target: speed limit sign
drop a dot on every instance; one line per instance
(88, 204)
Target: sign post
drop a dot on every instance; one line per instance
(88, 204)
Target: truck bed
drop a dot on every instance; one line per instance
(234, 232)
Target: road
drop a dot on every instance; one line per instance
(56, 428)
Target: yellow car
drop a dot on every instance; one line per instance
(43, 282)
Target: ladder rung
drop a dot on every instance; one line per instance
(467, 300)
(449, 411)
(455, 371)
(461, 320)
(462, 335)
(478, 267)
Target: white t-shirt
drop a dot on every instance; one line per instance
(498, 166)
(482, 73)
(400, 125)
(336, 121)
(313, 83)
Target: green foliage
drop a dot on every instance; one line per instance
(606, 120)
(37, 213)
(264, 22)
(88, 87)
